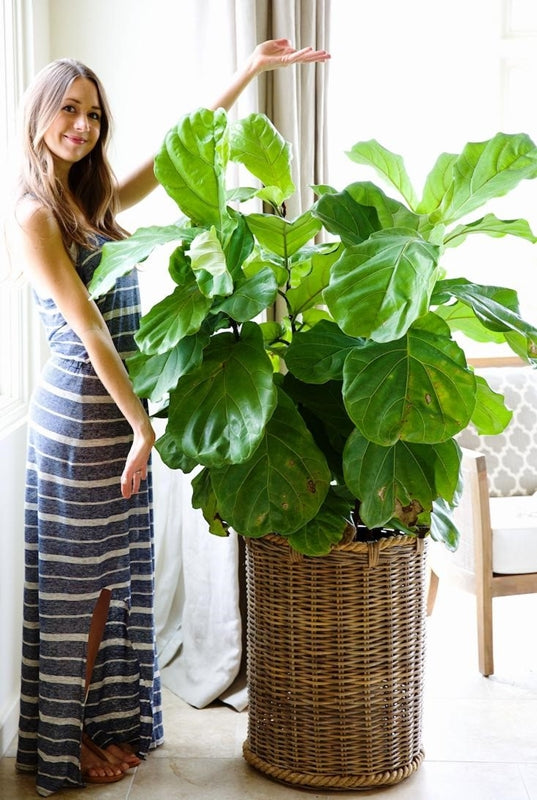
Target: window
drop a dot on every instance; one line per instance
(422, 89)
(16, 319)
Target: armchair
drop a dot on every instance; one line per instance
(497, 515)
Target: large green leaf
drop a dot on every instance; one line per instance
(524, 346)
(437, 183)
(218, 411)
(239, 245)
(251, 296)
(260, 259)
(155, 375)
(180, 314)
(405, 472)
(361, 209)
(495, 306)
(485, 170)
(443, 528)
(282, 236)
(417, 388)
(204, 498)
(391, 213)
(318, 355)
(325, 403)
(325, 530)
(491, 226)
(460, 317)
(389, 165)
(171, 454)
(379, 288)
(490, 415)
(309, 291)
(191, 166)
(209, 264)
(282, 486)
(255, 142)
(118, 258)
(341, 214)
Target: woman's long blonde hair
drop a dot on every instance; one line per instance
(91, 180)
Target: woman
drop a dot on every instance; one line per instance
(90, 699)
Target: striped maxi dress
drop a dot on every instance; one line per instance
(82, 537)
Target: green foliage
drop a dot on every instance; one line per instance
(344, 411)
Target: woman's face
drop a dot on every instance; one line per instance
(77, 126)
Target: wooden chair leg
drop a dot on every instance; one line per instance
(485, 634)
(432, 591)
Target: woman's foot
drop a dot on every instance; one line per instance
(96, 766)
(125, 753)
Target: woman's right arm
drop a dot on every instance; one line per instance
(35, 240)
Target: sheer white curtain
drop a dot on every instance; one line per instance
(199, 587)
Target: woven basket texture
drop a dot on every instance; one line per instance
(336, 649)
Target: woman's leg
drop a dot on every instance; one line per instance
(98, 621)
(113, 760)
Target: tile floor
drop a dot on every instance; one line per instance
(480, 735)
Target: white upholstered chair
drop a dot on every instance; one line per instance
(497, 515)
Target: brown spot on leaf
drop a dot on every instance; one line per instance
(408, 514)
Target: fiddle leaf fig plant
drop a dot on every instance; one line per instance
(336, 417)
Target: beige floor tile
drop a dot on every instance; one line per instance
(529, 776)
(231, 779)
(214, 732)
(210, 779)
(14, 786)
(466, 730)
(466, 781)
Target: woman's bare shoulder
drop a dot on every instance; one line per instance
(31, 217)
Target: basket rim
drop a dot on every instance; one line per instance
(384, 543)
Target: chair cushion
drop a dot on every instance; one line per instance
(511, 455)
(514, 534)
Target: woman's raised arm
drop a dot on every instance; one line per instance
(269, 55)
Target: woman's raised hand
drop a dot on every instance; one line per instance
(276, 53)
(268, 55)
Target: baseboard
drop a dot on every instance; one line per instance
(8, 727)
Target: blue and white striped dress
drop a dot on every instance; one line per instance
(82, 536)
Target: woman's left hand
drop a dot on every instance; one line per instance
(276, 53)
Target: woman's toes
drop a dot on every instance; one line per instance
(124, 755)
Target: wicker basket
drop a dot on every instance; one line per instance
(336, 650)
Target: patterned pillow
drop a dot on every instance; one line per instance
(512, 455)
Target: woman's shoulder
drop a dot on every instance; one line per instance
(32, 216)
(32, 233)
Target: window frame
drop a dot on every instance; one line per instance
(19, 359)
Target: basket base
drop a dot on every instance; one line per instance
(331, 782)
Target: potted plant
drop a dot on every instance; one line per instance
(332, 426)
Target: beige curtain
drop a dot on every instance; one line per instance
(295, 99)
(199, 578)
